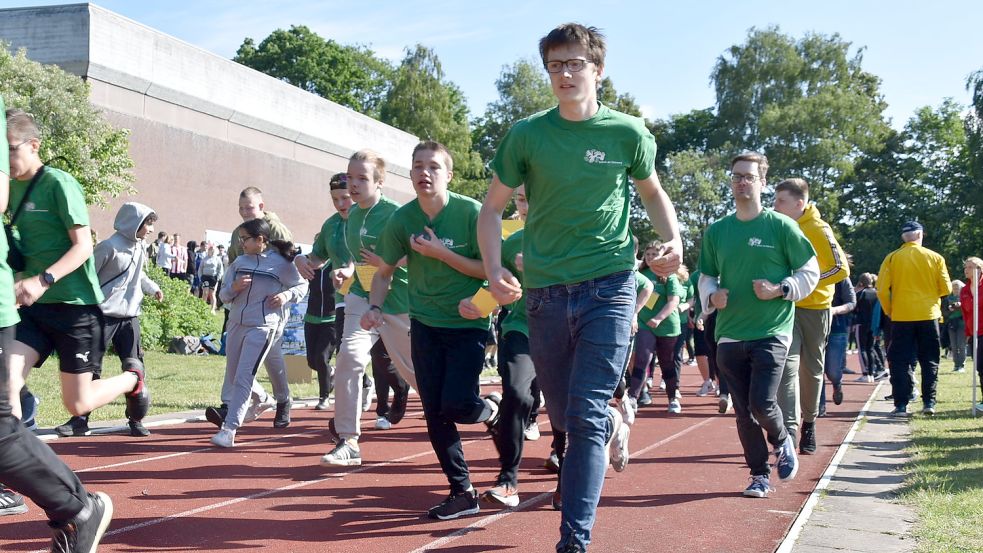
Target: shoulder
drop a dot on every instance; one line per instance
(621, 119)
(463, 203)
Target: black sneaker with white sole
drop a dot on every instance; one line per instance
(75, 426)
(216, 415)
(456, 505)
(83, 533)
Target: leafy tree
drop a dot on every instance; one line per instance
(973, 194)
(523, 90)
(805, 103)
(180, 314)
(349, 75)
(422, 102)
(694, 130)
(74, 135)
(624, 103)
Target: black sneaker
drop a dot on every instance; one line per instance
(493, 400)
(83, 533)
(137, 400)
(552, 463)
(216, 415)
(137, 429)
(398, 409)
(282, 418)
(10, 502)
(807, 445)
(572, 548)
(76, 426)
(838, 395)
(456, 505)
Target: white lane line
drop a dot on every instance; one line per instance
(793, 534)
(481, 523)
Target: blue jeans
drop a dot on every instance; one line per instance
(834, 363)
(579, 337)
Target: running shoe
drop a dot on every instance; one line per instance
(900, 411)
(838, 394)
(10, 502)
(216, 415)
(137, 400)
(382, 423)
(226, 437)
(787, 462)
(706, 388)
(531, 433)
(282, 418)
(345, 454)
(807, 443)
(929, 408)
(724, 403)
(503, 494)
(619, 448)
(760, 487)
(552, 463)
(137, 429)
(456, 505)
(627, 406)
(323, 404)
(75, 426)
(675, 407)
(83, 533)
(258, 407)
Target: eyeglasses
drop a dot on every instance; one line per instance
(574, 66)
(737, 178)
(14, 148)
(244, 238)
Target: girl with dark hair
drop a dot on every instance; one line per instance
(260, 284)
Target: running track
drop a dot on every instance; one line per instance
(681, 491)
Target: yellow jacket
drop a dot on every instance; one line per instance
(911, 283)
(833, 266)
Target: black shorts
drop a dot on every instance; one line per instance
(74, 331)
(700, 346)
(208, 281)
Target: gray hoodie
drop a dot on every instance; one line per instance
(271, 274)
(119, 264)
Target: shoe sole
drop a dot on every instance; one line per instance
(755, 494)
(340, 463)
(226, 446)
(214, 416)
(458, 514)
(13, 510)
(107, 517)
(73, 434)
(495, 499)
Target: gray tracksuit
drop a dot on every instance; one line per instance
(254, 328)
(119, 264)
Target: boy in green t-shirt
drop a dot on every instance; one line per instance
(754, 264)
(57, 290)
(577, 161)
(437, 235)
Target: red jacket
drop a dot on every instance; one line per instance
(966, 299)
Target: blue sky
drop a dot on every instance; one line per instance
(662, 53)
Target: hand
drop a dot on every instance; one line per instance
(276, 301)
(668, 260)
(468, 310)
(339, 276)
(504, 287)
(765, 290)
(699, 323)
(370, 258)
(304, 266)
(719, 298)
(634, 326)
(242, 283)
(159, 295)
(428, 244)
(654, 322)
(518, 262)
(28, 291)
(371, 319)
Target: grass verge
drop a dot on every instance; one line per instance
(946, 472)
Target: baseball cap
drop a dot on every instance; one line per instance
(911, 226)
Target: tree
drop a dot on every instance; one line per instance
(973, 194)
(75, 137)
(805, 103)
(423, 103)
(349, 75)
(523, 90)
(624, 103)
(685, 131)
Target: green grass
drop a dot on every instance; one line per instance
(945, 482)
(177, 383)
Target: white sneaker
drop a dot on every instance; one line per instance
(865, 378)
(257, 408)
(627, 407)
(662, 384)
(368, 394)
(531, 433)
(675, 407)
(619, 448)
(724, 404)
(678, 394)
(382, 423)
(705, 389)
(225, 437)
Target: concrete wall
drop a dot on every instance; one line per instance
(204, 127)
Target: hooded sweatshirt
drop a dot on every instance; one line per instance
(271, 274)
(119, 264)
(833, 265)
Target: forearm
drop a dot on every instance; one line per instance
(667, 309)
(661, 212)
(707, 286)
(71, 260)
(490, 239)
(380, 285)
(464, 265)
(803, 280)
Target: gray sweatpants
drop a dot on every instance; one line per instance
(246, 348)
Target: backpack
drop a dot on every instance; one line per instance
(185, 345)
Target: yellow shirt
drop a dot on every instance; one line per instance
(833, 266)
(911, 283)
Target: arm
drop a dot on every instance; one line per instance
(662, 216)
(884, 286)
(643, 297)
(30, 289)
(431, 246)
(849, 299)
(502, 284)
(671, 304)
(380, 290)
(832, 251)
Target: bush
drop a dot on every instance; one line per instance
(180, 314)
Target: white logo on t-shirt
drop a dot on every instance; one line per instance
(594, 156)
(756, 243)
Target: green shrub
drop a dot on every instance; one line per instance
(180, 314)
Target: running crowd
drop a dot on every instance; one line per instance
(416, 289)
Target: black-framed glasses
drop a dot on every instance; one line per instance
(244, 238)
(737, 178)
(14, 148)
(574, 65)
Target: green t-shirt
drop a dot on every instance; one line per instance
(56, 205)
(330, 246)
(665, 289)
(771, 247)
(8, 307)
(694, 283)
(363, 230)
(436, 288)
(516, 318)
(641, 281)
(576, 175)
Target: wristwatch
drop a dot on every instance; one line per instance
(376, 307)
(786, 289)
(47, 279)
